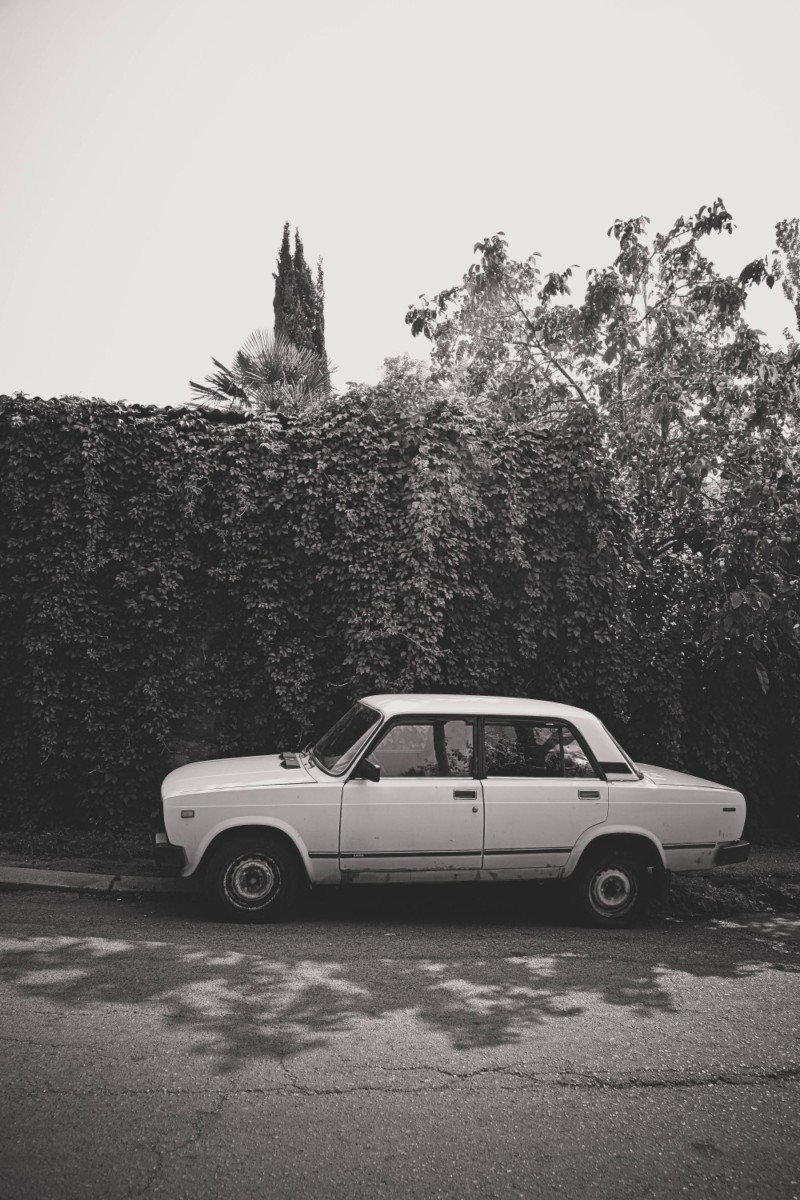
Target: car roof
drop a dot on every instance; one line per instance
(396, 704)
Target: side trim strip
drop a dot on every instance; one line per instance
(409, 853)
(530, 850)
(462, 853)
(438, 853)
(689, 845)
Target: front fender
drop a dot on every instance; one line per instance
(247, 823)
(603, 831)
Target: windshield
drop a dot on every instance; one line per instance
(337, 748)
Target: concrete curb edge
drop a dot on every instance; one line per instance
(85, 881)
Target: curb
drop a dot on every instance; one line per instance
(82, 881)
(140, 884)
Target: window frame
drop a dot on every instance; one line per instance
(541, 721)
(613, 768)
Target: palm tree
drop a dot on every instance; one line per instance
(269, 374)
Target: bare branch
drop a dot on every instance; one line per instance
(553, 361)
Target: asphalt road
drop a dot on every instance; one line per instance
(401, 1042)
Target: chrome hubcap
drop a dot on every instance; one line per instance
(612, 890)
(249, 881)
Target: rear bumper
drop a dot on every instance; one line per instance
(167, 855)
(731, 852)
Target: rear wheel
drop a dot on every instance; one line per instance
(612, 889)
(252, 879)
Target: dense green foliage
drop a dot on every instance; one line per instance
(299, 300)
(176, 585)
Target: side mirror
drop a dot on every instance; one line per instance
(367, 770)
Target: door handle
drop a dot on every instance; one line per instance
(465, 795)
(583, 795)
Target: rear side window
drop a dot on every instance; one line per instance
(425, 749)
(527, 749)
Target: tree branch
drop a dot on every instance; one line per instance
(553, 361)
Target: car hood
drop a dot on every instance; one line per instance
(227, 774)
(677, 778)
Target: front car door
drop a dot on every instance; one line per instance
(542, 790)
(425, 814)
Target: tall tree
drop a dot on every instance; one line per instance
(786, 262)
(700, 413)
(283, 302)
(319, 326)
(298, 302)
(305, 297)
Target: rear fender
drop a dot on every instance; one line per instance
(601, 832)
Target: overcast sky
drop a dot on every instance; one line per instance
(151, 151)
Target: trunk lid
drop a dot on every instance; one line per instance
(677, 778)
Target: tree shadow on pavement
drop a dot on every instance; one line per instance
(272, 994)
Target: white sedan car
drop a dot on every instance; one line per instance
(430, 789)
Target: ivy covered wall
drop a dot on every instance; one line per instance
(179, 584)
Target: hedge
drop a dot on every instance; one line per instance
(183, 583)
(178, 584)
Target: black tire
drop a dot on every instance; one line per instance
(252, 879)
(612, 889)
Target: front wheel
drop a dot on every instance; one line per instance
(612, 890)
(250, 879)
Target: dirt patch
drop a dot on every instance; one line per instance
(126, 852)
(695, 895)
(768, 882)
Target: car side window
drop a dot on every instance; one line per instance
(426, 749)
(576, 763)
(527, 749)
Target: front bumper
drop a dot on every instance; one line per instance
(165, 854)
(731, 852)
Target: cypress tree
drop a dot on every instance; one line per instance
(319, 311)
(305, 298)
(298, 299)
(284, 286)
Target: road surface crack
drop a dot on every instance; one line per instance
(440, 1079)
(745, 1076)
(198, 1127)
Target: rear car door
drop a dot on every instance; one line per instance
(542, 790)
(425, 813)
